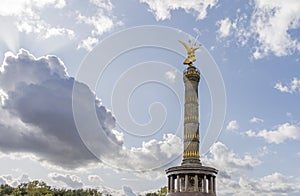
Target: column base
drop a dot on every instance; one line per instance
(191, 162)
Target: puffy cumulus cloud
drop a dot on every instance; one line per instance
(269, 26)
(43, 29)
(88, 43)
(2, 181)
(94, 178)
(71, 181)
(37, 116)
(68, 181)
(227, 161)
(14, 181)
(6, 179)
(124, 191)
(24, 68)
(256, 120)
(232, 178)
(101, 22)
(225, 27)
(271, 22)
(232, 125)
(3, 96)
(155, 154)
(150, 159)
(273, 185)
(292, 87)
(18, 7)
(162, 9)
(171, 75)
(56, 22)
(128, 191)
(281, 133)
(27, 14)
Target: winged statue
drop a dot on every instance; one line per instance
(190, 48)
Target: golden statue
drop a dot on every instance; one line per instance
(190, 48)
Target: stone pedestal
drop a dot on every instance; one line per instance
(192, 180)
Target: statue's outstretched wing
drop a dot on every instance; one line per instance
(194, 49)
(187, 47)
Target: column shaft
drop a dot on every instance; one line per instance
(211, 184)
(196, 183)
(169, 184)
(186, 183)
(191, 78)
(172, 184)
(204, 184)
(214, 188)
(178, 183)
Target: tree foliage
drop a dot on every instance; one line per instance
(162, 192)
(38, 188)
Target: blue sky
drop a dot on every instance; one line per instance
(47, 45)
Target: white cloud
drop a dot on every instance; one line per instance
(2, 181)
(268, 26)
(3, 96)
(232, 180)
(125, 191)
(152, 155)
(56, 20)
(282, 133)
(128, 191)
(129, 179)
(71, 181)
(56, 31)
(95, 178)
(282, 88)
(18, 7)
(68, 181)
(225, 27)
(232, 125)
(293, 87)
(263, 151)
(270, 185)
(37, 116)
(251, 133)
(14, 181)
(103, 4)
(256, 120)
(270, 23)
(162, 9)
(88, 43)
(37, 119)
(227, 161)
(27, 14)
(276, 184)
(43, 29)
(101, 22)
(171, 75)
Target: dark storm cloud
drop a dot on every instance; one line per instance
(37, 118)
(39, 100)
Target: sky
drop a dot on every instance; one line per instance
(91, 93)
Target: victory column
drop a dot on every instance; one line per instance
(191, 178)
